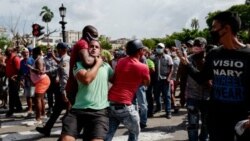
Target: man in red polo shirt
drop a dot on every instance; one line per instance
(12, 69)
(80, 52)
(130, 73)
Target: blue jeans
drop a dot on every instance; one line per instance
(162, 86)
(142, 103)
(128, 116)
(197, 109)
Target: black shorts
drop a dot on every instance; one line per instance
(94, 123)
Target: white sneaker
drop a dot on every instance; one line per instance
(34, 123)
(29, 114)
(38, 122)
(44, 118)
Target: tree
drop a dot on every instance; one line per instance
(47, 16)
(195, 24)
(23, 39)
(4, 41)
(243, 10)
(105, 43)
(150, 43)
(247, 2)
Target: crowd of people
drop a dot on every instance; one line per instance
(99, 92)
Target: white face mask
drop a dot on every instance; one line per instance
(159, 50)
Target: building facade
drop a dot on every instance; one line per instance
(3, 31)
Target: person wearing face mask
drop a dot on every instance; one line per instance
(51, 71)
(228, 69)
(163, 69)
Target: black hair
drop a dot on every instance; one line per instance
(210, 47)
(130, 51)
(36, 51)
(89, 30)
(229, 18)
(133, 46)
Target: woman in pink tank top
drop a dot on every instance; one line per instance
(41, 82)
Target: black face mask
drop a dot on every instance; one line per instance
(199, 56)
(215, 35)
(49, 54)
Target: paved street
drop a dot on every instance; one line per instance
(159, 129)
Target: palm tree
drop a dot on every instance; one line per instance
(195, 23)
(247, 2)
(47, 16)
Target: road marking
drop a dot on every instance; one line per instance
(27, 135)
(144, 136)
(24, 122)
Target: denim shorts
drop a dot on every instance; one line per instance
(94, 123)
(29, 91)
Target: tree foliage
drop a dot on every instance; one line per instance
(244, 13)
(183, 36)
(195, 24)
(150, 43)
(43, 48)
(105, 43)
(4, 41)
(47, 16)
(243, 10)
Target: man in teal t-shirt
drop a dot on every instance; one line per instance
(93, 95)
(90, 108)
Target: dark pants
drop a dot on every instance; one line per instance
(59, 106)
(245, 136)
(221, 125)
(150, 100)
(14, 99)
(52, 91)
(162, 86)
(197, 110)
(95, 123)
(183, 82)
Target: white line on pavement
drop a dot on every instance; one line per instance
(144, 136)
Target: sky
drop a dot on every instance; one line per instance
(113, 18)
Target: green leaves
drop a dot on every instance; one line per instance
(46, 14)
(243, 10)
(4, 41)
(105, 43)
